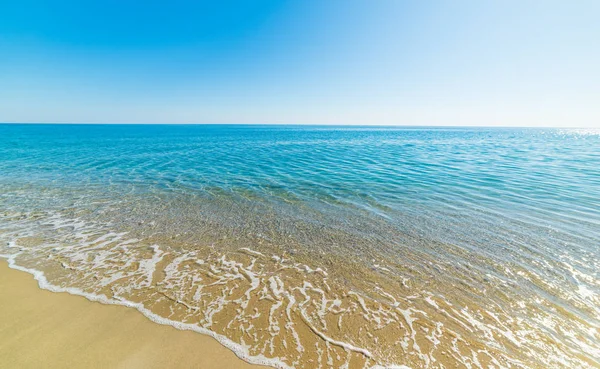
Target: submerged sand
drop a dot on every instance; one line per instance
(42, 329)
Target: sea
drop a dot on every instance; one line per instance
(321, 246)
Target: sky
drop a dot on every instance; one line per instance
(371, 62)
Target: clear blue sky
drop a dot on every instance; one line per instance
(532, 63)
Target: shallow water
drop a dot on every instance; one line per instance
(322, 247)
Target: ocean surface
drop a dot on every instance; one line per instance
(322, 247)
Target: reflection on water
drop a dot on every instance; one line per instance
(320, 247)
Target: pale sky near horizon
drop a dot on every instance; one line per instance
(381, 62)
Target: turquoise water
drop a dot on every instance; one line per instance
(472, 221)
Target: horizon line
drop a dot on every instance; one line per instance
(292, 124)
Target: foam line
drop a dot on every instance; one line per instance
(239, 350)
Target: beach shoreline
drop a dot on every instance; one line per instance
(300, 247)
(40, 328)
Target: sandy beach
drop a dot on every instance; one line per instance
(42, 329)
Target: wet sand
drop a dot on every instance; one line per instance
(42, 329)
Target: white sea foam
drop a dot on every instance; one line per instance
(240, 350)
(106, 259)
